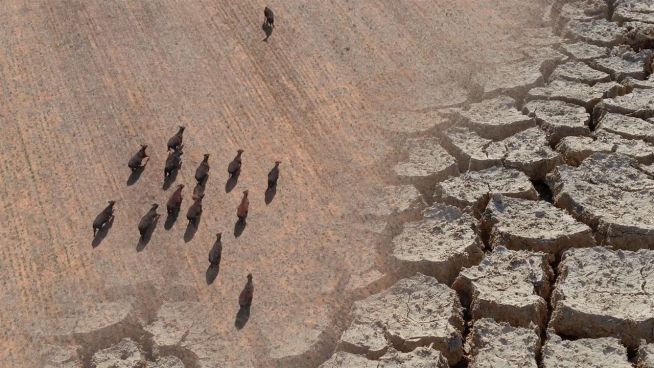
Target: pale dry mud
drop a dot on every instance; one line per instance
(592, 353)
(628, 127)
(575, 149)
(538, 226)
(422, 357)
(645, 355)
(508, 286)
(498, 344)
(605, 293)
(574, 93)
(610, 194)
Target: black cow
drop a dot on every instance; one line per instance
(246, 296)
(135, 162)
(104, 217)
(175, 141)
(273, 175)
(235, 166)
(202, 171)
(216, 251)
(195, 210)
(148, 219)
(175, 200)
(174, 161)
(270, 16)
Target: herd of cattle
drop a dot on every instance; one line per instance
(173, 206)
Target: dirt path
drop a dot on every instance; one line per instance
(84, 83)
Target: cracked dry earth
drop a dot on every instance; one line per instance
(488, 208)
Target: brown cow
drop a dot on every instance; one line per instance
(246, 296)
(242, 210)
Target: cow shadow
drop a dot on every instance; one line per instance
(135, 175)
(145, 239)
(212, 273)
(270, 194)
(242, 317)
(170, 179)
(231, 182)
(239, 227)
(102, 233)
(267, 29)
(170, 220)
(191, 230)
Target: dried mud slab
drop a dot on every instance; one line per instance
(469, 148)
(557, 118)
(625, 64)
(583, 51)
(124, 354)
(639, 35)
(583, 10)
(427, 160)
(507, 286)
(627, 127)
(645, 356)
(576, 93)
(605, 293)
(521, 224)
(599, 32)
(421, 357)
(439, 246)
(400, 200)
(577, 149)
(57, 356)
(634, 10)
(637, 83)
(577, 71)
(639, 103)
(609, 193)
(494, 344)
(417, 311)
(473, 188)
(496, 118)
(83, 319)
(588, 353)
(513, 78)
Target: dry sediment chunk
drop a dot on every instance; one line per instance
(577, 149)
(584, 51)
(639, 103)
(576, 93)
(639, 35)
(646, 355)
(57, 356)
(427, 159)
(508, 286)
(470, 149)
(627, 127)
(125, 354)
(513, 78)
(599, 32)
(439, 245)
(496, 118)
(634, 10)
(637, 83)
(473, 188)
(587, 353)
(398, 200)
(494, 344)
(578, 71)
(623, 63)
(584, 10)
(521, 224)
(605, 293)
(559, 119)
(610, 194)
(417, 311)
(421, 357)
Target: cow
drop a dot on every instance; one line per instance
(175, 200)
(194, 212)
(242, 210)
(247, 294)
(235, 166)
(174, 161)
(216, 251)
(202, 172)
(104, 217)
(175, 141)
(273, 175)
(270, 17)
(148, 219)
(135, 162)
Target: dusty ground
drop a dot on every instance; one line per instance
(85, 82)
